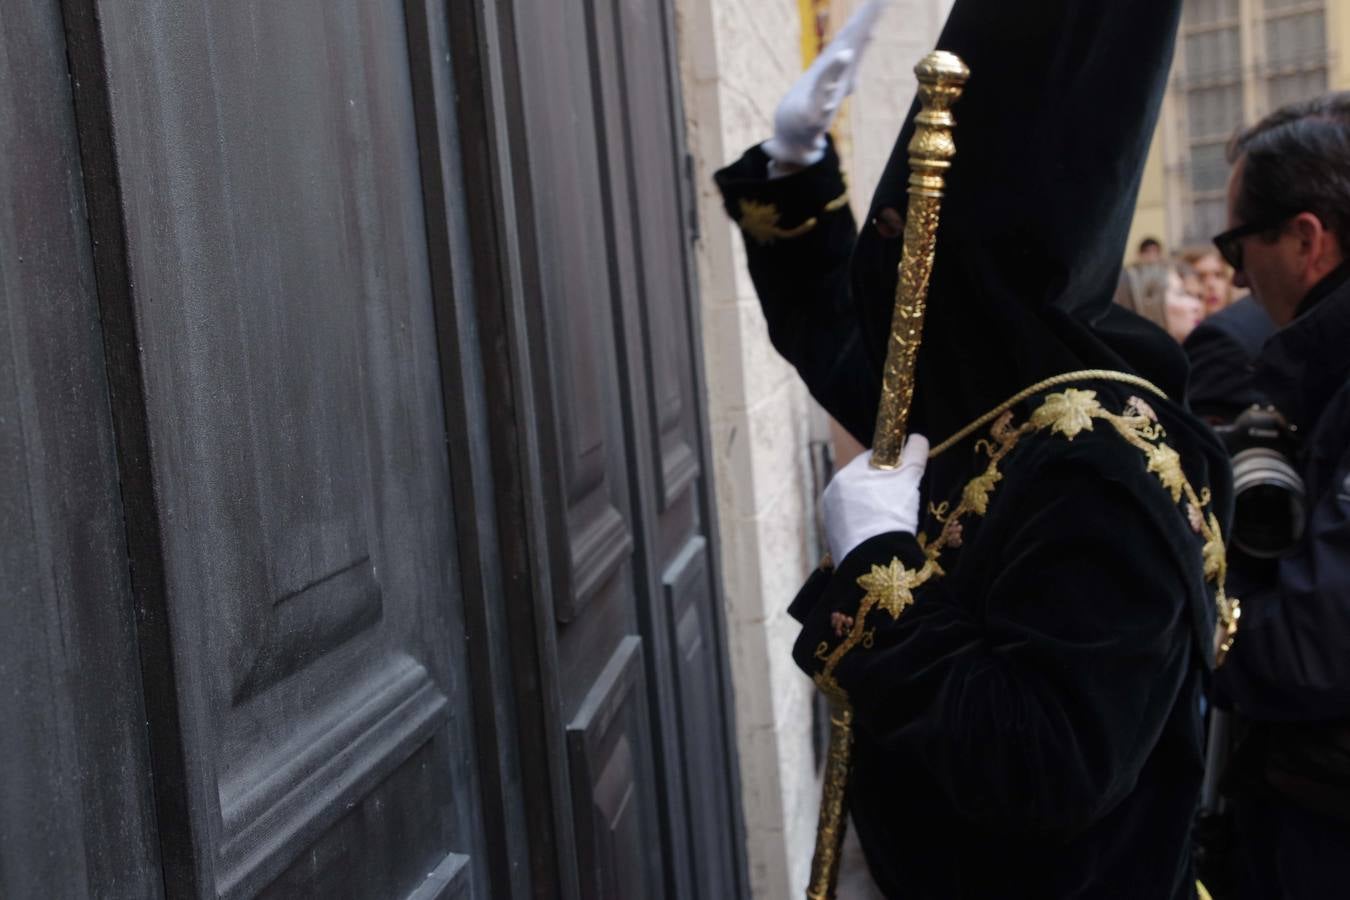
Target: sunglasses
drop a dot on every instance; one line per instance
(1229, 244)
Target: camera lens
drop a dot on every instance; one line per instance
(1269, 510)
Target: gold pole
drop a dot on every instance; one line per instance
(942, 76)
(830, 826)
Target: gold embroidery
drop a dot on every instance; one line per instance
(760, 221)
(1028, 393)
(888, 587)
(1138, 426)
(975, 497)
(1213, 553)
(892, 586)
(1196, 518)
(1069, 414)
(1165, 462)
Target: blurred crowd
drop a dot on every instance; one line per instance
(1179, 292)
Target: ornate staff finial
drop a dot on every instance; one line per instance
(942, 76)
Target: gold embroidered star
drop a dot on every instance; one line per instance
(1068, 413)
(889, 587)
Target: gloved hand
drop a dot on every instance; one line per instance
(808, 109)
(861, 502)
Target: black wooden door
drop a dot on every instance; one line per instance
(359, 521)
(267, 276)
(648, 217)
(630, 785)
(76, 812)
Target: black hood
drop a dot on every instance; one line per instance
(1052, 134)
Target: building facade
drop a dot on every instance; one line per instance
(1236, 61)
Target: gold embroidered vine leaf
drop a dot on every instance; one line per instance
(1216, 565)
(1166, 462)
(1067, 413)
(975, 497)
(1213, 554)
(759, 220)
(889, 587)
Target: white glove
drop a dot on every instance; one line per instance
(808, 109)
(861, 502)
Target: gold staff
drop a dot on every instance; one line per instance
(942, 76)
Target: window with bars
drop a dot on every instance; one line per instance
(1213, 53)
(1213, 112)
(1218, 88)
(1207, 12)
(1295, 66)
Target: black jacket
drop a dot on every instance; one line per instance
(1289, 670)
(1291, 662)
(1223, 350)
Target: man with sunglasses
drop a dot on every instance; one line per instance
(1288, 674)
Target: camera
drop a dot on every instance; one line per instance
(1269, 507)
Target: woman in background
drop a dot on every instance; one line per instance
(1213, 279)
(1158, 293)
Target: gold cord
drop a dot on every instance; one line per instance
(1054, 381)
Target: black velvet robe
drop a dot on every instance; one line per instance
(1223, 350)
(1031, 725)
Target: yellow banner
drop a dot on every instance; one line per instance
(815, 15)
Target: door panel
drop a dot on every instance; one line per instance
(586, 444)
(694, 648)
(658, 338)
(572, 294)
(609, 309)
(269, 170)
(617, 841)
